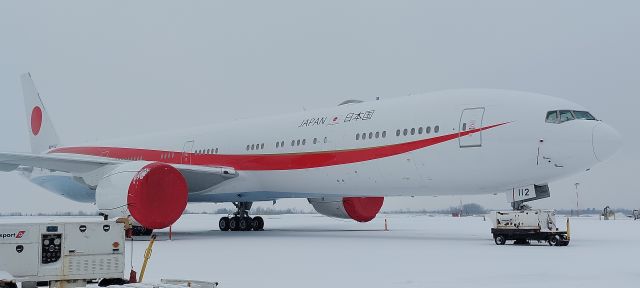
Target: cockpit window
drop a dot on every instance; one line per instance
(561, 116)
(552, 117)
(566, 115)
(583, 115)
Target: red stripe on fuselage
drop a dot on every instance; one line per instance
(289, 161)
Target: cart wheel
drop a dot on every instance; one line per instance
(554, 240)
(500, 240)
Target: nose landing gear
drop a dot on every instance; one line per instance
(241, 221)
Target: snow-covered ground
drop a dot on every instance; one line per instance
(418, 251)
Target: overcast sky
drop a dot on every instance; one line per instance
(120, 68)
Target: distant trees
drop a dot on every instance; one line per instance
(473, 209)
(466, 209)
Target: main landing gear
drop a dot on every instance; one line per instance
(241, 221)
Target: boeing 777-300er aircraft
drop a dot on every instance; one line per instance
(343, 159)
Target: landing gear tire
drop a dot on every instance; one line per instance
(234, 223)
(240, 220)
(224, 224)
(245, 224)
(258, 223)
(554, 240)
(500, 240)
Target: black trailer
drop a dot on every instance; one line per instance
(524, 236)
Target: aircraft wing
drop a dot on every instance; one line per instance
(65, 163)
(198, 178)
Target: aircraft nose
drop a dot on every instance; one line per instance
(606, 141)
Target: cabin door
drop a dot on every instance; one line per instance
(471, 127)
(187, 151)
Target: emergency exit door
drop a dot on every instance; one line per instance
(471, 127)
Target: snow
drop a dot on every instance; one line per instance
(4, 276)
(418, 251)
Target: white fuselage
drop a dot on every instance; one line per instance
(317, 153)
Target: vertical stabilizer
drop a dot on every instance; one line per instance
(41, 132)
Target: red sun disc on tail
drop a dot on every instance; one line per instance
(36, 120)
(157, 196)
(362, 209)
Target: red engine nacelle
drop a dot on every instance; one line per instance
(361, 209)
(154, 194)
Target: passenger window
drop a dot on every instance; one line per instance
(262, 146)
(428, 129)
(464, 126)
(277, 144)
(358, 136)
(566, 115)
(405, 132)
(377, 135)
(253, 147)
(248, 147)
(304, 141)
(325, 140)
(552, 117)
(315, 140)
(420, 130)
(370, 135)
(413, 131)
(398, 132)
(364, 136)
(293, 142)
(298, 142)
(436, 129)
(384, 134)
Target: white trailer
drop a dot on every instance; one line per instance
(526, 225)
(68, 253)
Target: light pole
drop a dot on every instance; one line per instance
(577, 203)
